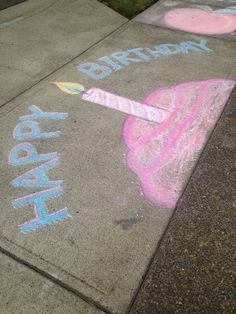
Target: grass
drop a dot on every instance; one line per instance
(128, 8)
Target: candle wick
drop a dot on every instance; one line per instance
(84, 92)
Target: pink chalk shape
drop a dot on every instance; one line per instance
(163, 156)
(106, 99)
(199, 21)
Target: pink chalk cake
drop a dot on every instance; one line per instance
(164, 155)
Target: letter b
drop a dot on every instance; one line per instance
(94, 70)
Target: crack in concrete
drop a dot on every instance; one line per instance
(23, 17)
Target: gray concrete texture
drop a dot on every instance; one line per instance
(201, 21)
(103, 250)
(24, 291)
(193, 269)
(37, 37)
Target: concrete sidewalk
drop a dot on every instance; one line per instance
(195, 17)
(93, 223)
(38, 37)
(23, 290)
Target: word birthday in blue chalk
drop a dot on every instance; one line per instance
(117, 61)
(24, 154)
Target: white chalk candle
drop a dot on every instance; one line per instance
(106, 99)
(109, 100)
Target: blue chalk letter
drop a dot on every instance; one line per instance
(37, 177)
(115, 67)
(39, 114)
(139, 53)
(38, 200)
(94, 70)
(200, 45)
(29, 155)
(122, 57)
(20, 132)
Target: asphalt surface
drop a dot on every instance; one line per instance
(8, 3)
(192, 271)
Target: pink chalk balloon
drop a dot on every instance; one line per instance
(199, 21)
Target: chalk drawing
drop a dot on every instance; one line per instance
(70, 88)
(37, 177)
(163, 156)
(26, 154)
(117, 61)
(106, 99)
(229, 10)
(38, 200)
(20, 132)
(39, 114)
(200, 21)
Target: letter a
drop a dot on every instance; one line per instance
(37, 177)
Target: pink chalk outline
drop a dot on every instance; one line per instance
(109, 100)
(161, 155)
(174, 144)
(200, 21)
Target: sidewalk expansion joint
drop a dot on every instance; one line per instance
(56, 281)
(60, 67)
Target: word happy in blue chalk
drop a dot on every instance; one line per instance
(26, 153)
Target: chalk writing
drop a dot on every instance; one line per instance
(39, 114)
(229, 10)
(34, 133)
(26, 154)
(200, 21)
(117, 61)
(37, 177)
(109, 100)
(163, 156)
(38, 200)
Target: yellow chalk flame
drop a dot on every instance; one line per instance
(70, 88)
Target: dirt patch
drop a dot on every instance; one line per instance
(128, 8)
